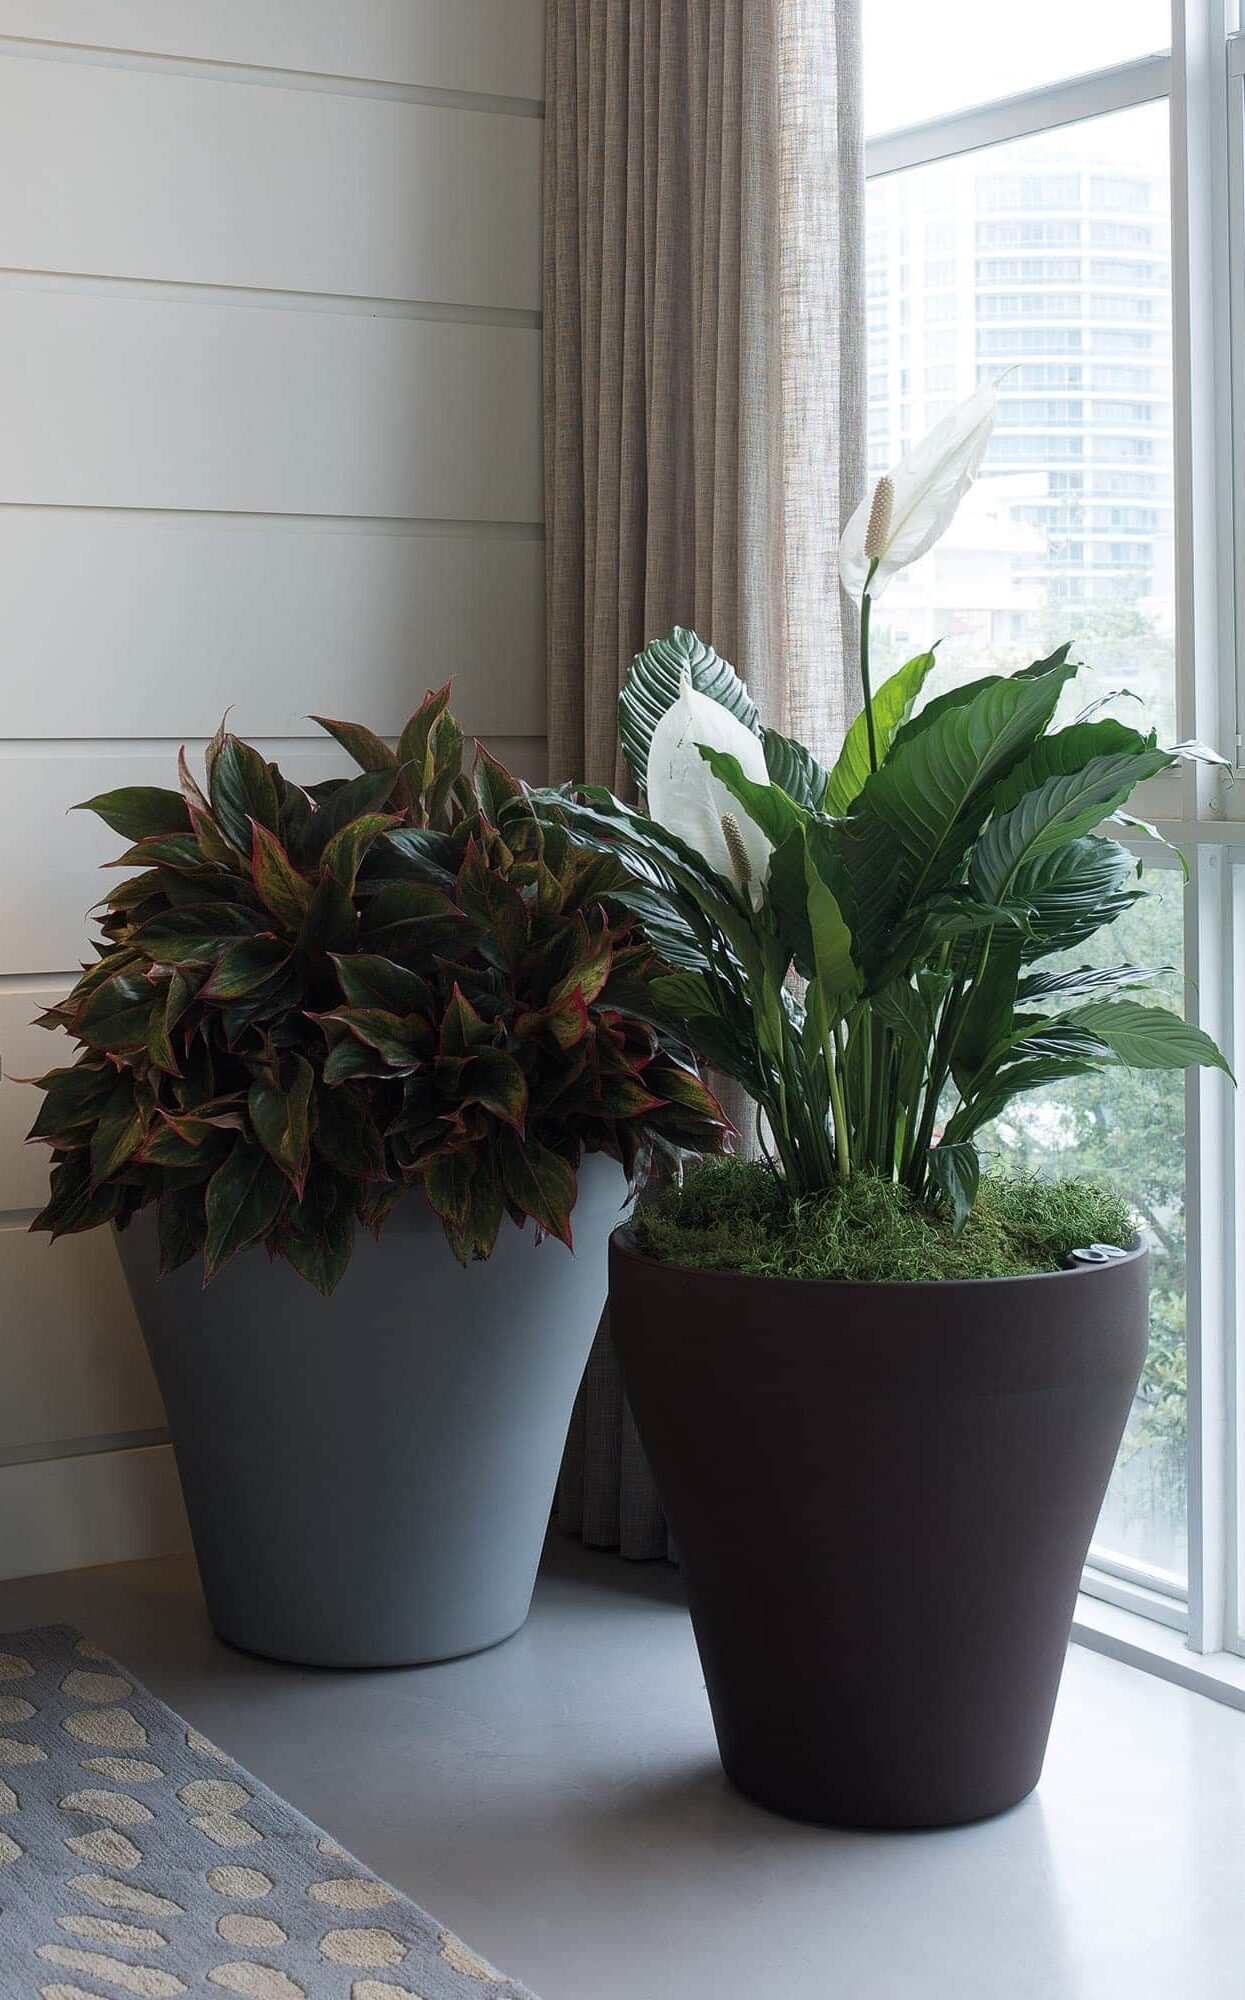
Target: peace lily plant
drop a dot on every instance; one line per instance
(865, 949)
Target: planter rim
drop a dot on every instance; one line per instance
(623, 1244)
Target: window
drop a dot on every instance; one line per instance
(923, 61)
(1047, 152)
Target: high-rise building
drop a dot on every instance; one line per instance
(1047, 263)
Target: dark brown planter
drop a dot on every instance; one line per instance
(882, 1497)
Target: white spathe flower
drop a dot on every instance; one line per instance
(927, 485)
(684, 795)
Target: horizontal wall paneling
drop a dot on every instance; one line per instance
(488, 46)
(133, 403)
(283, 618)
(219, 183)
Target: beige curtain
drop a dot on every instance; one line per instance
(703, 415)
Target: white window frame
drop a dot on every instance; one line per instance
(1196, 1634)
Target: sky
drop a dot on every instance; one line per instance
(924, 58)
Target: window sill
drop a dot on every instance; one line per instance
(1139, 1642)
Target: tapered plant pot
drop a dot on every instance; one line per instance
(369, 1476)
(882, 1497)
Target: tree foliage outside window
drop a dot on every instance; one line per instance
(1126, 1129)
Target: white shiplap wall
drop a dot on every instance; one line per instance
(270, 410)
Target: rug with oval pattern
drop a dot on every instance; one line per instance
(138, 1861)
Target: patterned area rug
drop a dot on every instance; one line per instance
(137, 1861)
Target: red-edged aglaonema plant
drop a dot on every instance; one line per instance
(309, 1000)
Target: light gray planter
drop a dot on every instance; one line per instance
(369, 1477)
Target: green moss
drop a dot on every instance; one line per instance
(732, 1215)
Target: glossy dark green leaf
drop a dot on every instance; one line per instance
(282, 888)
(181, 1226)
(1144, 1037)
(139, 811)
(955, 1172)
(280, 1118)
(344, 852)
(118, 1133)
(246, 966)
(496, 1081)
(538, 1182)
(117, 1014)
(242, 790)
(244, 1198)
(795, 770)
(197, 933)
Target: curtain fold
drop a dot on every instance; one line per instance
(703, 421)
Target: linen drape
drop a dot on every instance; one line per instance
(703, 417)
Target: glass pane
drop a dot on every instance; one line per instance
(922, 61)
(1126, 1129)
(1048, 258)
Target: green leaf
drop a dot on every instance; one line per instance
(462, 1030)
(986, 1024)
(934, 787)
(771, 809)
(1086, 979)
(344, 1135)
(1067, 750)
(119, 1133)
(652, 686)
(242, 789)
(415, 747)
(318, 1233)
(181, 1226)
(447, 1185)
(117, 1015)
(1070, 892)
(245, 966)
(1143, 1037)
(538, 1182)
(343, 853)
(74, 1099)
(370, 981)
(412, 920)
(370, 752)
(495, 1080)
(955, 1171)
(493, 785)
(904, 1011)
(795, 770)
(892, 705)
(244, 1198)
(1062, 808)
(282, 889)
(833, 965)
(199, 932)
(139, 811)
(403, 1043)
(680, 995)
(280, 1118)
(350, 801)
(73, 1203)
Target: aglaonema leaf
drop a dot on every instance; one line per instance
(244, 1198)
(139, 811)
(242, 790)
(281, 1121)
(538, 1182)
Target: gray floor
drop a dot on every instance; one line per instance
(559, 1803)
